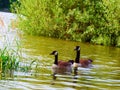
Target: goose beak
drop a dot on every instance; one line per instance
(51, 54)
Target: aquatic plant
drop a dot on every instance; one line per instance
(27, 67)
(9, 62)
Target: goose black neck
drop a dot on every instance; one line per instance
(56, 60)
(77, 57)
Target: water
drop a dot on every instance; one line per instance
(105, 74)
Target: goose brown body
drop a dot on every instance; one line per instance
(61, 67)
(86, 63)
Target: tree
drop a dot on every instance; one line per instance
(95, 21)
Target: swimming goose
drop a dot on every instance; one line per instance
(61, 67)
(86, 63)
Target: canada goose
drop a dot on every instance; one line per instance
(86, 63)
(61, 67)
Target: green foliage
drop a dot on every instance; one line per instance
(14, 4)
(118, 41)
(95, 21)
(102, 40)
(10, 61)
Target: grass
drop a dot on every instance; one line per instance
(9, 62)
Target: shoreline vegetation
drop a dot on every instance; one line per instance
(96, 22)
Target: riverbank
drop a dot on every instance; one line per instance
(7, 25)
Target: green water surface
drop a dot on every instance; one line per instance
(104, 75)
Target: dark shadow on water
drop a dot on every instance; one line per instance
(75, 75)
(54, 76)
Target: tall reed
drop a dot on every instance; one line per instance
(9, 62)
